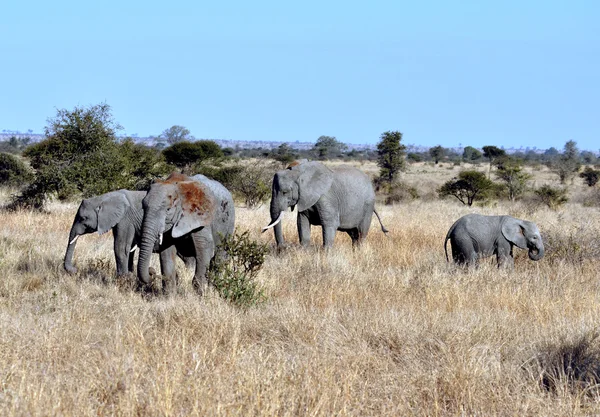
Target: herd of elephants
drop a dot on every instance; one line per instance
(186, 217)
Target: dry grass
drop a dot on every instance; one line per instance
(389, 329)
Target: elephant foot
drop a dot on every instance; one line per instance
(200, 285)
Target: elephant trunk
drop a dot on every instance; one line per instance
(68, 262)
(537, 253)
(148, 239)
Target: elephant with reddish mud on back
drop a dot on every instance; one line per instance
(120, 211)
(474, 236)
(186, 214)
(340, 199)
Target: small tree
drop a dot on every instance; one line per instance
(468, 187)
(437, 153)
(568, 164)
(492, 153)
(510, 172)
(176, 134)
(328, 147)
(590, 176)
(471, 154)
(390, 156)
(254, 183)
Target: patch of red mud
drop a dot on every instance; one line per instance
(194, 199)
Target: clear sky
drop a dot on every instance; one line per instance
(505, 73)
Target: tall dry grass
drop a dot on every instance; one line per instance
(388, 329)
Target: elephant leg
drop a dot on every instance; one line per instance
(363, 228)
(504, 256)
(122, 245)
(329, 234)
(205, 249)
(303, 229)
(463, 252)
(168, 270)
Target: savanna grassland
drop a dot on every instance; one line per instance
(388, 329)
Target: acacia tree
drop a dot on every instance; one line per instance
(437, 153)
(468, 187)
(492, 153)
(390, 157)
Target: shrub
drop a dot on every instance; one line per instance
(13, 172)
(590, 176)
(184, 154)
(399, 192)
(234, 274)
(570, 364)
(551, 196)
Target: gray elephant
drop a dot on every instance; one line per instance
(185, 214)
(120, 211)
(475, 236)
(340, 199)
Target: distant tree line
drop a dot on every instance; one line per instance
(83, 156)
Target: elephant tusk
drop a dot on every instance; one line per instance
(264, 229)
(74, 239)
(160, 238)
(133, 249)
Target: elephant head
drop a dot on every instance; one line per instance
(525, 235)
(96, 214)
(178, 204)
(302, 184)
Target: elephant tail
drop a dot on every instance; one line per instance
(383, 229)
(446, 241)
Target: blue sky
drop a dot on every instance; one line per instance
(510, 73)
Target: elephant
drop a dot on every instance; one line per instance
(120, 211)
(186, 214)
(340, 199)
(475, 236)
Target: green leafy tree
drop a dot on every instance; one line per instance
(590, 176)
(492, 153)
(468, 187)
(471, 154)
(13, 172)
(176, 134)
(283, 154)
(510, 172)
(80, 154)
(568, 164)
(390, 156)
(184, 155)
(328, 147)
(437, 153)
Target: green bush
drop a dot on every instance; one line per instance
(13, 172)
(467, 187)
(234, 274)
(552, 197)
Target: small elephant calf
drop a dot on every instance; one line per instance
(475, 236)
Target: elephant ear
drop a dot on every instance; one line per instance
(514, 231)
(198, 206)
(315, 179)
(111, 210)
